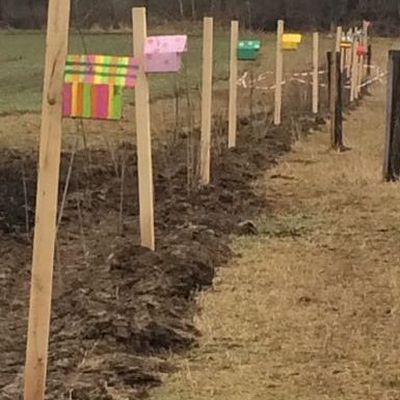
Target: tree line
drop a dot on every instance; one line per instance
(257, 14)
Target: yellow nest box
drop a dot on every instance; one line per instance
(291, 41)
(345, 44)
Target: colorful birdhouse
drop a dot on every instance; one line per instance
(94, 85)
(82, 100)
(291, 41)
(347, 40)
(345, 43)
(248, 50)
(164, 53)
(361, 51)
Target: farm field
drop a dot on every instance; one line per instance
(23, 53)
(21, 73)
(120, 311)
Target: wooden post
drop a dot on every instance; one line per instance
(369, 61)
(233, 85)
(279, 73)
(359, 75)
(354, 72)
(350, 57)
(365, 45)
(142, 108)
(336, 102)
(365, 33)
(391, 165)
(387, 173)
(329, 63)
(347, 61)
(333, 98)
(339, 32)
(338, 143)
(46, 200)
(342, 59)
(206, 105)
(315, 91)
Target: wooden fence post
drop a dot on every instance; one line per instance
(336, 102)
(369, 61)
(329, 64)
(315, 95)
(142, 108)
(360, 67)
(279, 74)
(365, 42)
(338, 144)
(333, 97)
(206, 103)
(391, 164)
(354, 72)
(233, 85)
(46, 200)
(339, 32)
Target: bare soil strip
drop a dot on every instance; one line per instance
(120, 310)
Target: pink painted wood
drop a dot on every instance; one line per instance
(164, 53)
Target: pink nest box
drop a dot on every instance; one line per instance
(164, 53)
(361, 51)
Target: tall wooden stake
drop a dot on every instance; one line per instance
(391, 167)
(279, 73)
(206, 105)
(46, 203)
(365, 45)
(369, 61)
(360, 72)
(393, 69)
(343, 55)
(339, 32)
(142, 107)
(338, 143)
(315, 92)
(333, 97)
(233, 85)
(354, 71)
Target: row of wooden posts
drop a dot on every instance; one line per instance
(346, 66)
(50, 150)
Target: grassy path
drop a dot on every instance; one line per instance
(311, 308)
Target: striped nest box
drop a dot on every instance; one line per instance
(163, 54)
(291, 41)
(248, 50)
(93, 85)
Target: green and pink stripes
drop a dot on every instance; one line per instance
(94, 85)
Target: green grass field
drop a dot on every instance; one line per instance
(22, 59)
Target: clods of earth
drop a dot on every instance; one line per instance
(119, 310)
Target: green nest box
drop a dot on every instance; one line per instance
(248, 50)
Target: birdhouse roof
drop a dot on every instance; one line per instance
(101, 70)
(292, 38)
(250, 44)
(166, 44)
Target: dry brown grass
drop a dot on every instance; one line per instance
(311, 309)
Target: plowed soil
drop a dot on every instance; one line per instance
(119, 310)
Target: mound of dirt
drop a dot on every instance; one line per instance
(119, 309)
